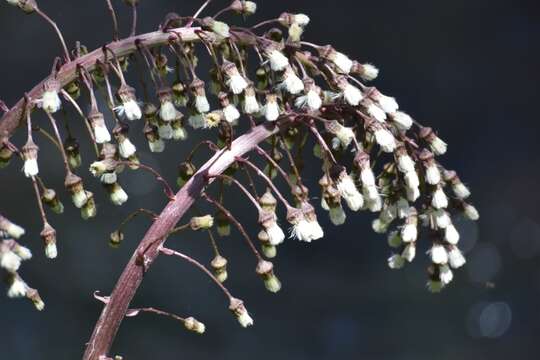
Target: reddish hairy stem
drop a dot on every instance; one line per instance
(130, 280)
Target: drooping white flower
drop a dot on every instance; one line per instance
(470, 212)
(108, 178)
(51, 251)
(165, 131)
(379, 226)
(201, 104)
(439, 199)
(278, 61)
(17, 288)
(350, 93)
(367, 72)
(236, 82)
(409, 253)
(411, 180)
(156, 146)
(50, 101)
(251, 105)
(409, 232)
(126, 147)
(23, 252)
(271, 109)
(337, 215)
(30, 155)
(167, 111)
(461, 191)
(201, 101)
(387, 103)
(231, 114)
(347, 189)
(438, 254)
(341, 61)
(376, 112)
(413, 194)
(10, 261)
(312, 99)
(385, 139)
(402, 120)
(291, 82)
(433, 175)
(196, 121)
(396, 262)
(445, 274)
(456, 258)
(276, 236)
(238, 309)
(13, 230)
(117, 195)
(31, 167)
(442, 219)
(436, 145)
(129, 107)
(405, 163)
(451, 235)
(301, 19)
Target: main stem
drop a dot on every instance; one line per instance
(148, 249)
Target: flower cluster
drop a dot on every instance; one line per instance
(12, 254)
(372, 155)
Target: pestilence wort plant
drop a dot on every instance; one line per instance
(270, 95)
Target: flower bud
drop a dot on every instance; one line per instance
(265, 269)
(239, 310)
(194, 325)
(271, 109)
(5, 155)
(436, 145)
(101, 133)
(223, 224)
(243, 7)
(89, 210)
(117, 195)
(30, 155)
(201, 102)
(17, 287)
(75, 187)
(202, 222)
(50, 198)
(341, 61)
(116, 238)
(167, 111)
(33, 295)
(367, 72)
(185, 171)
(50, 101)
(71, 146)
(219, 264)
(220, 28)
(130, 109)
(269, 250)
(13, 230)
(48, 235)
(278, 61)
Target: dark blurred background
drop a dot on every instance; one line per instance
(468, 68)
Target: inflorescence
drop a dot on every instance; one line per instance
(373, 156)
